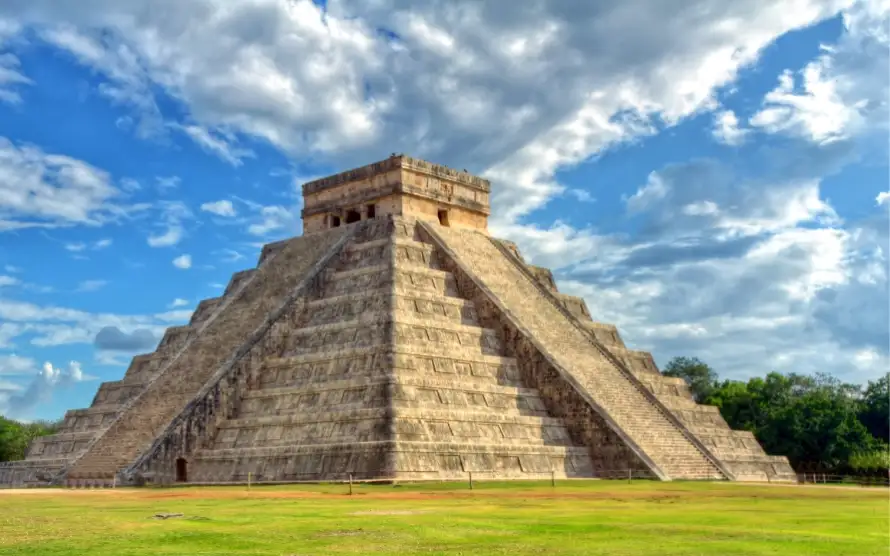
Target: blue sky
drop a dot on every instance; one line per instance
(712, 178)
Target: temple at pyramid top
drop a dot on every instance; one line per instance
(400, 186)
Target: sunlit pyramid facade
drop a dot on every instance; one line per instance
(393, 340)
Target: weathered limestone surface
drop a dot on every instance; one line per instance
(380, 371)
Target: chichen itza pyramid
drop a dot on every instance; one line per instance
(394, 340)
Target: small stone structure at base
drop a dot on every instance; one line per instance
(394, 340)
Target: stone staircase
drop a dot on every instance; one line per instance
(193, 353)
(48, 455)
(389, 376)
(616, 394)
(739, 451)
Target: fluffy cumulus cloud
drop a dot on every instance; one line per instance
(220, 208)
(183, 262)
(843, 92)
(17, 400)
(517, 93)
(721, 265)
(751, 276)
(39, 189)
(727, 130)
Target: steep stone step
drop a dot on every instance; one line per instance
(574, 305)
(380, 459)
(117, 392)
(89, 419)
(356, 424)
(404, 278)
(148, 414)
(350, 306)
(404, 390)
(60, 445)
(174, 338)
(424, 334)
(434, 307)
(606, 385)
(204, 309)
(237, 280)
(327, 365)
(144, 367)
(365, 331)
(607, 334)
(666, 386)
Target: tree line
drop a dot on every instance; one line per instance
(16, 435)
(820, 422)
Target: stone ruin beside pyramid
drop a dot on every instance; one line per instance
(394, 340)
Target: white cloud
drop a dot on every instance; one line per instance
(220, 145)
(128, 83)
(17, 402)
(170, 237)
(77, 247)
(220, 208)
(273, 219)
(49, 190)
(15, 365)
(10, 78)
(183, 261)
(818, 113)
(53, 325)
(178, 302)
(844, 91)
(174, 214)
(6, 281)
(726, 128)
(883, 198)
(519, 96)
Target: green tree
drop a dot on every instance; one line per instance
(875, 409)
(16, 436)
(698, 375)
(811, 419)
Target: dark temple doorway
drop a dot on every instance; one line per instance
(182, 470)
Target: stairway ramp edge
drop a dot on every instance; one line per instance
(648, 394)
(227, 300)
(225, 369)
(492, 297)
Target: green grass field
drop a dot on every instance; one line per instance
(595, 517)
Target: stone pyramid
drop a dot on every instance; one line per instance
(394, 340)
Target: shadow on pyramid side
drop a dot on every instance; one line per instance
(394, 340)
